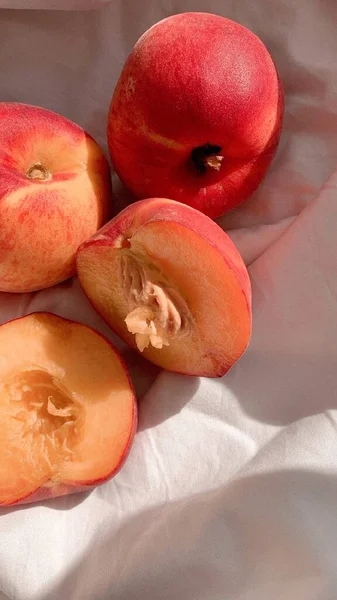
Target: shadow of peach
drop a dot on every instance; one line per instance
(168, 395)
(257, 533)
(287, 389)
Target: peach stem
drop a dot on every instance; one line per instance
(214, 162)
(39, 172)
(207, 157)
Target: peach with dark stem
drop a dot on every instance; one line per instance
(196, 114)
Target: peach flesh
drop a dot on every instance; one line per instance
(55, 192)
(172, 285)
(196, 114)
(67, 407)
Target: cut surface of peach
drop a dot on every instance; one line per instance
(171, 283)
(67, 408)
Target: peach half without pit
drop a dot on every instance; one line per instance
(170, 282)
(67, 409)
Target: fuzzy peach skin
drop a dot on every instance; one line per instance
(171, 284)
(67, 409)
(196, 114)
(55, 192)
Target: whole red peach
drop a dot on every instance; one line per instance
(196, 114)
(55, 192)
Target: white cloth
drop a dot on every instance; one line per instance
(230, 491)
(54, 4)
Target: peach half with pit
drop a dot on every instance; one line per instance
(170, 282)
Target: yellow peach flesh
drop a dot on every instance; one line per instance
(215, 314)
(66, 406)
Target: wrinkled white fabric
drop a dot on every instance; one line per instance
(54, 4)
(230, 491)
